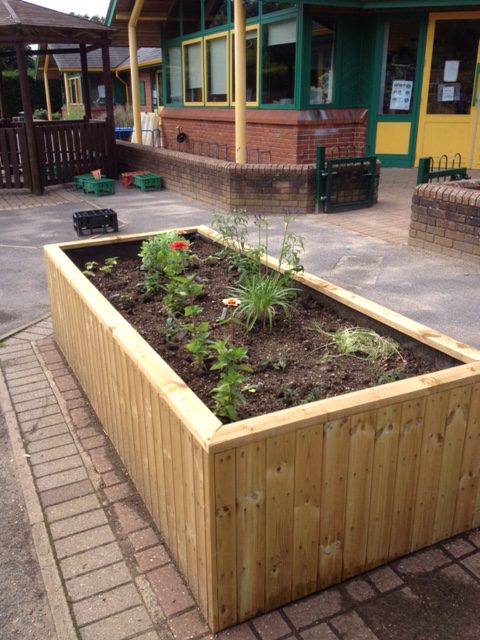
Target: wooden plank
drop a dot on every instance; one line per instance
(25, 160)
(159, 466)
(359, 482)
(429, 471)
(56, 155)
(120, 404)
(166, 417)
(12, 143)
(7, 181)
(333, 501)
(132, 446)
(308, 488)
(408, 464)
(47, 135)
(190, 510)
(456, 427)
(226, 538)
(178, 471)
(150, 447)
(251, 512)
(201, 533)
(387, 430)
(212, 614)
(467, 510)
(140, 429)
(279, 520)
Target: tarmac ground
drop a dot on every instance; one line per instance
(80, 555)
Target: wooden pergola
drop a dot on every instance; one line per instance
(28, 154)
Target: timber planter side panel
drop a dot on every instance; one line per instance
(264, 511)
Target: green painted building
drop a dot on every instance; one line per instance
(399, 77)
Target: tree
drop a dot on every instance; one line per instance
(85, 16)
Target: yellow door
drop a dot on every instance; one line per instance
(449, 109)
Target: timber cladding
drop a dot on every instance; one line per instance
(263, 511)
(446, 219)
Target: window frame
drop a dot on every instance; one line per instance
(76, 84)
(215, 36)
(252, 27)
(185, 44)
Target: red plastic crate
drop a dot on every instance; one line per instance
(127, 177)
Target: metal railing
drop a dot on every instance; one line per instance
(445, 169)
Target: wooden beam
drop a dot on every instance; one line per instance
(47, 88)
(3, 104)
(85, 83)
(107, 81)
(36, 181)
(240, 84)
(125, 17)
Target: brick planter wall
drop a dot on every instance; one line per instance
(223, 185)
(290, 136)
(446, 219)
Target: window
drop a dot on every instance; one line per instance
(252, 65)
(192, 17)
(216, 69)
(399, 62)
(269, 6)
(174, 76)
(216, 13)
(141, 86)
(452, 76)
(75, 90)
(172, 27)
(192, 65)
(321, 66)
(278, 72)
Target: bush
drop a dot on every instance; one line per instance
(123, 116)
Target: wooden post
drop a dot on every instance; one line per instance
(85, 84)
(240, 84)
(134, 78)
(47, 88)
(107, 81)
(36, 182)
(68, 98)
(3, 104)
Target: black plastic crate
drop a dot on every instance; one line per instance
(105, 219)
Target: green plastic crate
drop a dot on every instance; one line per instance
(79, 180)
(99, 187)
(148, 182)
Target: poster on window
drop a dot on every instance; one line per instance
(401, 95)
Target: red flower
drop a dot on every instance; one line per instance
(181, 246)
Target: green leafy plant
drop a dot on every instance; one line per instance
(384, 377)
(261, 297)
(165, 255)
(228, 393)
(198, 346)
(181, 292)
(90, 268)
(278, 364)
(108, 265)
(125, 301)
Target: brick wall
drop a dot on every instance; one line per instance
(446, 219)
(290, 136)
(223, 185)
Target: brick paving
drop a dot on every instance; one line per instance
(118, 575)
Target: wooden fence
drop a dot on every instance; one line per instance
(65, 149)
(264, 511)
(14, 165)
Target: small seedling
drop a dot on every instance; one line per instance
(108, 265)
(90, 268)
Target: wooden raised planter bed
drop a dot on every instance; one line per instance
(264, 511)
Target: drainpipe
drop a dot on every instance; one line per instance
(127, 93)
(47, 88)
(134, 78)
(68, 98)
(240, 84)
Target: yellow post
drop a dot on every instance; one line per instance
(134, 79)
(240, 84)
(47, 88)
(68, 99)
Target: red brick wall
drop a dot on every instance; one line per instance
(446, 219)
(290, 136)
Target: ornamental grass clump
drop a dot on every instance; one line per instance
(264, 293)
(164, 256)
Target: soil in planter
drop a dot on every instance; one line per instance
(292, 364)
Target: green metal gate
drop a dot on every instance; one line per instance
(343, 184)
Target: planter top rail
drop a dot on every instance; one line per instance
(210, 432)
